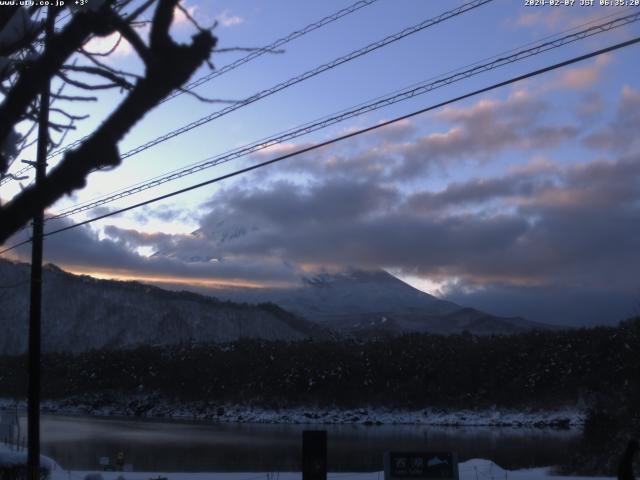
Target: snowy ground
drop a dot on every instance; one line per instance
(151, 408)
(475, 469)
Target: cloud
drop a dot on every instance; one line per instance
(168, 213)
(481, 130)
(590, 106)
(548, 20)
(122, 48)
(540, 228)
(621, 134)
(583, 77)
(553, 19)
(349, 205)
(111, 43)
(479, 191)
(227, 19)
(550, 229)
(115, 255)
(182, 18)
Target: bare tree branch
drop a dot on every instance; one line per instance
(32, 79)
(74, 98)
(21, 42)
(68, 115)
(169, 65)
(87, 86)
(133, 38)
(108, 68)
(105, 73)
(208, 100)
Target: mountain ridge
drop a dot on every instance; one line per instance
(371, 303)
(81, 313)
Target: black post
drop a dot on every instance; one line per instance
(35, 306)
(314, 455)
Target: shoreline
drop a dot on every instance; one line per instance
(151, 408)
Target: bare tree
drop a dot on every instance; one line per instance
(167, 66)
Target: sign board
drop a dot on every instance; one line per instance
(104, 461)
(420, 465)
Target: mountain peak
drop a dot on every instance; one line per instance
(351, 276)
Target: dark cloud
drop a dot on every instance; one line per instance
(621, 134)
(576, 228)
(533, 232)
(82, 249)
(479, 191)
(291, 205)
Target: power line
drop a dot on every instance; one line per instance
(339, 139)
(293, 133)
(347, 114)
(272, 46)
(603, 27)
(294, 80)
(15, 176)
(227, 68)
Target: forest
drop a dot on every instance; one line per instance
(597, 369)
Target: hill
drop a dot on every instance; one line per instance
(81, 313)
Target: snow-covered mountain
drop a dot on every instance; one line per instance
(82, 313)
(367, 303)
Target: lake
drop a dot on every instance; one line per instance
(77, 443)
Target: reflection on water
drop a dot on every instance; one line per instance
(78, 443)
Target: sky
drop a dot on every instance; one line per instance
(521, 201)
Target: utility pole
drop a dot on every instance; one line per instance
(35, 306)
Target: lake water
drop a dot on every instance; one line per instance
(77, 443)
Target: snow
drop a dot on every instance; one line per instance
(11, 458)
(149, 407)
(152, 407)
(474, 469)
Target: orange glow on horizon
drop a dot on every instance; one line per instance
(210, 283)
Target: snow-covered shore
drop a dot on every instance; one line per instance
(153, 408)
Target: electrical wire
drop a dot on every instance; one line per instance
(305, 129)
(227, 68)
(339, 139)
(292, 81)
(24, 170)
(271, 47)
